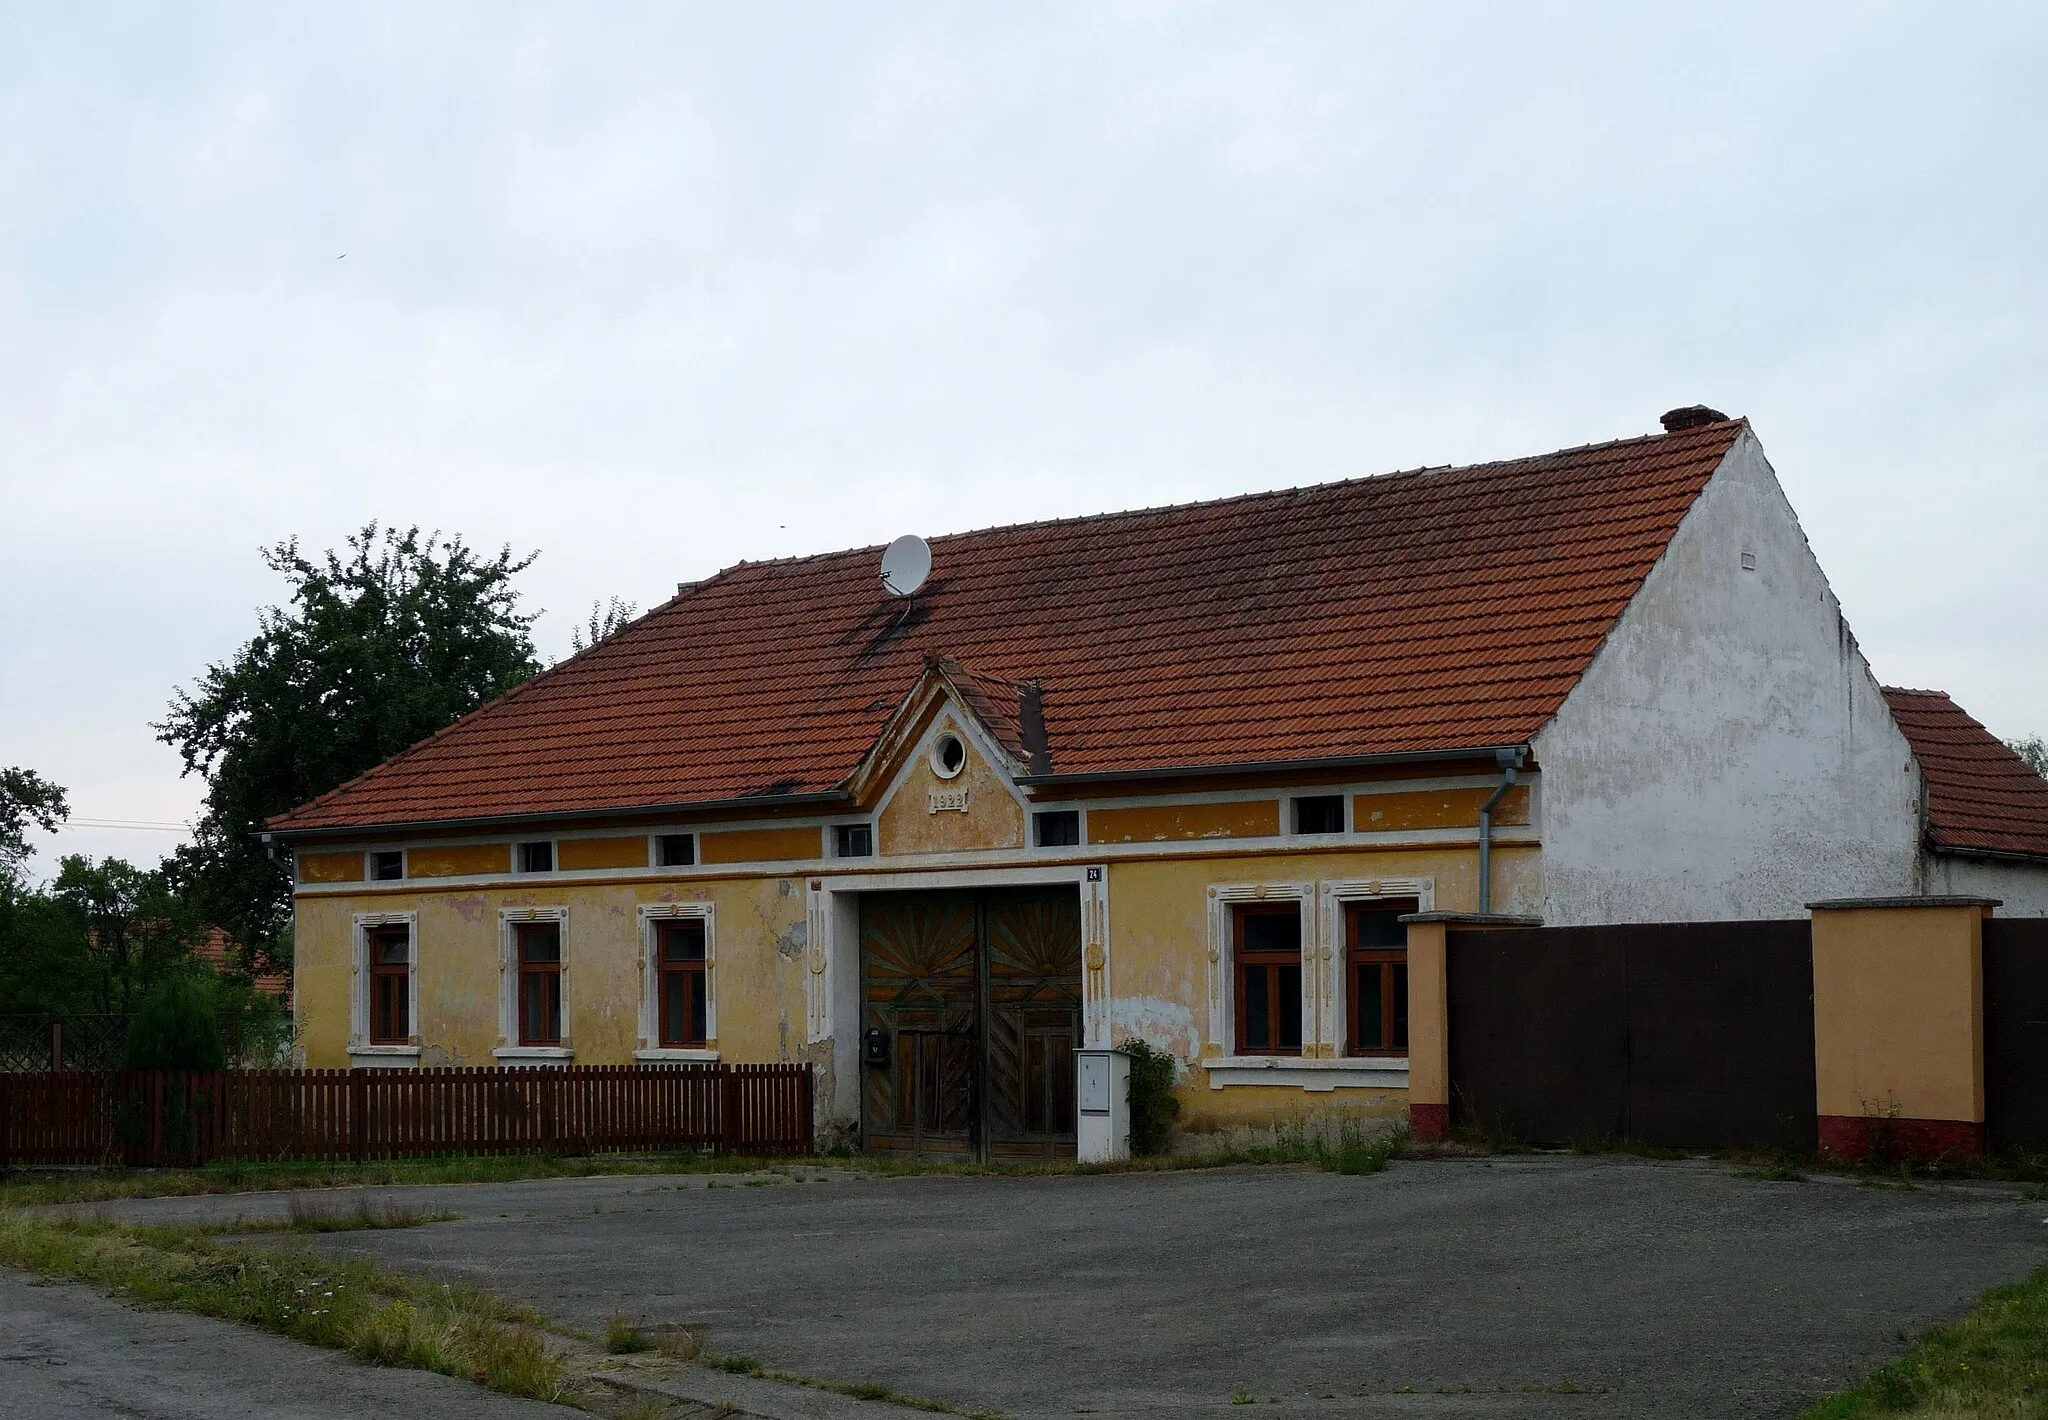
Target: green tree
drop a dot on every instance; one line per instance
(124, 930)
(606, 619)
(27, 800)
(2034, 750)
(375, 649)
(178, 1026)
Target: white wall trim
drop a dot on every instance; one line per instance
(1368, 1072)
(1222, 973)
(359, 984)
(1335, 893)
(651, 913)
(675, 1056)
(971, 863)
(509, 1047)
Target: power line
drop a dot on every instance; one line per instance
(124, 823)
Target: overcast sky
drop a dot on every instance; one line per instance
(655, 289)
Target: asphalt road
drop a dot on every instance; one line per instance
(69, 1352)
(1541, 1286)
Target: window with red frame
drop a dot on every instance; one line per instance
(540, 982)
(1266, 948)
(682, 990)
(1376, 956)
(390, 986)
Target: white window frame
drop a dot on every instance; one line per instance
(360, 1050)
(874, 846)
(1287, 811)
(554, 858)
(654, 850)
(509, 1050)
(1080, 845)
(1336, 894)
(1224, 898)
(651, 915)
(370, 865)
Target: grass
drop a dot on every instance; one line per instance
(1991, 1365)
(33, 1187)
(310, 1213)
(1352, 1152)
(622, 1338)
(354, 1306)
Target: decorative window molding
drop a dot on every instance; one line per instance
(1222, 967)
(1330, 958)
(818, 951)
(360, 1050)
(509, 1050)
(1367, 1072)
(651, 914)
(1095, 998)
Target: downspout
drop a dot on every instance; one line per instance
(1510, 761)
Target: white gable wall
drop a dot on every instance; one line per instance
(1728, 753)
(2021, 888)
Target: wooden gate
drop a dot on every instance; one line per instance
(2016, 1034)
(1686, 1035)
(978, 996)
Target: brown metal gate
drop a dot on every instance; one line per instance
(978, 997)
(2016, 1034)
(1683, 1035)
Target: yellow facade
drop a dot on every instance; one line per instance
(784, 977)
(1898, 1012)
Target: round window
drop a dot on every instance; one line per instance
(949, 756)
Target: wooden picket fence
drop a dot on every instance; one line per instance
(155, 1118)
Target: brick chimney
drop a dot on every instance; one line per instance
(1690, 416)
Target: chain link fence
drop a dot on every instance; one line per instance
(38, 1042)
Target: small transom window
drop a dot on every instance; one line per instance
(675, 850)
(855, 840)
(1319, 813)
(537, 857)
(388, 866)
(1056, 828)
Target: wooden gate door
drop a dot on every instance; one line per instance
(979, 997)
(921, 985)
(1032, 1019)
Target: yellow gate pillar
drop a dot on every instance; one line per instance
(1429, 1014)
(1898, 1025)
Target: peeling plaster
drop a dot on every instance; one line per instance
(1728, 754)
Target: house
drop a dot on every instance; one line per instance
(1176, 773)
(1984, 816)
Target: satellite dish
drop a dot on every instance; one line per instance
(905, 564)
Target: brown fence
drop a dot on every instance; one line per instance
(2016, 1034)
(1688, 1035)
(156, 1118)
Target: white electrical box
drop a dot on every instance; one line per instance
(1102, 1094)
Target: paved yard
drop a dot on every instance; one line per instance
(1542, 1286)
(68, 1353)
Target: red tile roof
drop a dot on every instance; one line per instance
(1429, 611)
(1981, 796)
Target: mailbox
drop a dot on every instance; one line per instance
(1102, 1095)
(875, 1047)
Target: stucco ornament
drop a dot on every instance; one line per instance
(1095, 958)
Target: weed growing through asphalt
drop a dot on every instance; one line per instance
(622, 1338)
(1992, 1363)
(312, 1213)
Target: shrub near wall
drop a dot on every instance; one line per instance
(1154, 1106)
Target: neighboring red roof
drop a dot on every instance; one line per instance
(218, 952)
(1435, 610)
(1981, 796)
